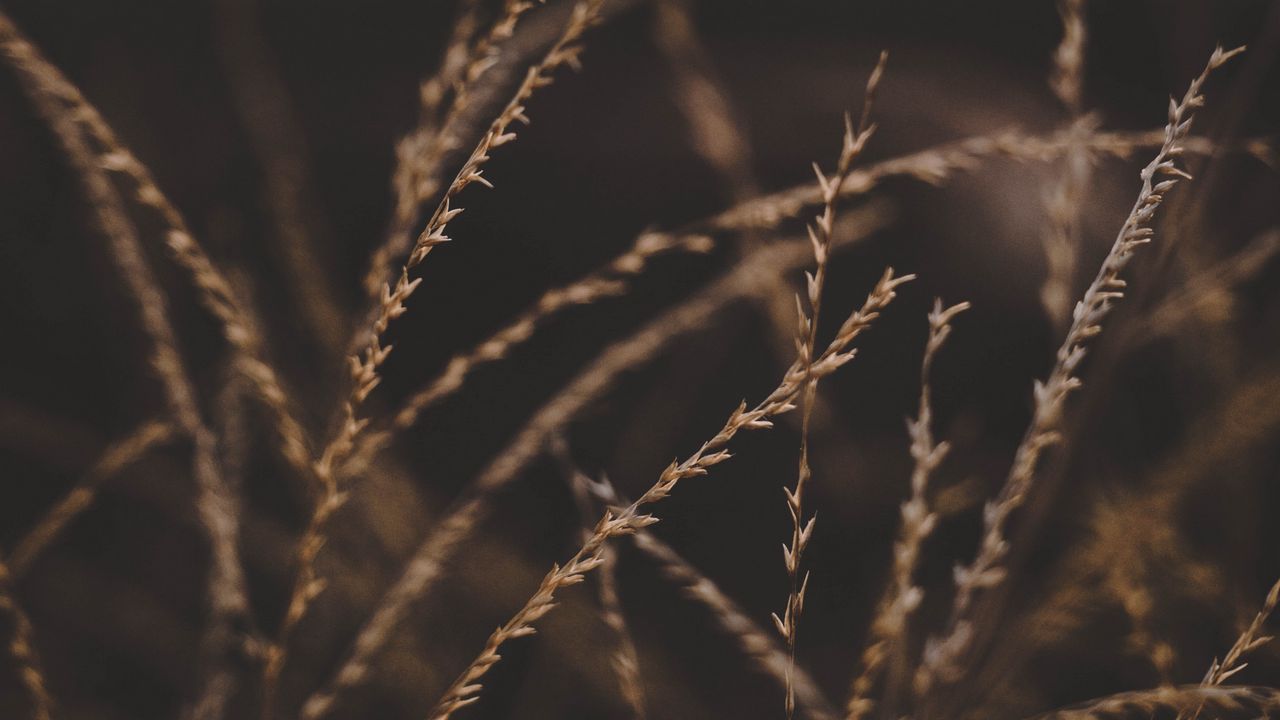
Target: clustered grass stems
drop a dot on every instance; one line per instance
(466, 689)
(717, 135)
(934, 166)
(22, 650)
(1244, 419)
(608, 281)
(943, 656)
(427, 564)
(939, 163)
(820, 234)
(761, 647)
(215, 503)
(889, 626)
(98, 156)
(420, 154)
(213, 290)
(365, 364)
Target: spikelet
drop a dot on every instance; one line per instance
(426, 566)
(421, 154)
(820, 237)
(365, 364)
(901, 597)
(761, 647)
(944, 656)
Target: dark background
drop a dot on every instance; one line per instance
(117, 603)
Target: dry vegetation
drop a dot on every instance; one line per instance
(226, 496)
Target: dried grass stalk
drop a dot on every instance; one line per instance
(944, 655)
(1243, 420)
(759, 646)
(466, 689)
(223, 647)
(22, 649)
(933, 165)
(364, 365)
(1063, 201)
(937, 164)
(889, 626)
(105, 153)
(421, 154)
(1250, 640)
(429, 559)
(807, 337)
(624, 659)
(114, 459)
(215, 504)
(608, 281)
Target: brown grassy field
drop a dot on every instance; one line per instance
(341, 334)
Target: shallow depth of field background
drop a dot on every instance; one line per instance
(117, 602)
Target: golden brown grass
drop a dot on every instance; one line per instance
(216, 504)
(427, 565)
(820, 234)
(365, 364)
(913, 660)
(628, 520)
(889, 627)
(624, 659)
(944, 656)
